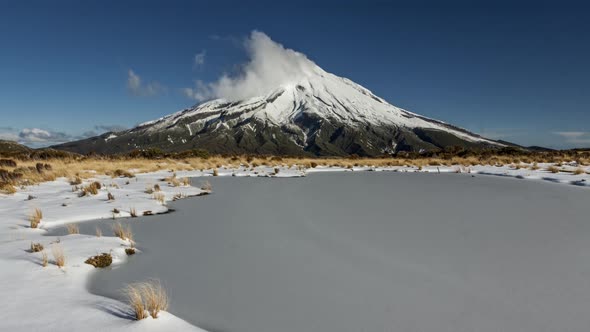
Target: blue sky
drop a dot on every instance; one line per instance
(513, 70)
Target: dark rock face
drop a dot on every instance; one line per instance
(311, 136)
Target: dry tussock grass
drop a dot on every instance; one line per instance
(35, 218)
(73, 229)
(36, 247)
(147, 296)
(29, 171)
(161, 198)
(59, 256)
(44, 259)
(123, 232)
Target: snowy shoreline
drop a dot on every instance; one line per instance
(50, 298)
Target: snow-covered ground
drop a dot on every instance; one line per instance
(50, 298)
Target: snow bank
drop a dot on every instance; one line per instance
(50, 298)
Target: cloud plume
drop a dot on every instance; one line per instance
(138, 88)
(270, 65)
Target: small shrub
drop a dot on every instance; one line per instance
(277, 170)
(58, 255)
(35, 218)
(100, 261)
(314, 164)
(36, 247)
(73, 229)
(110, 197)
(553, 169)
(579, 171)
(215, 172)
(156, 187)
(130, 251)
(535, 167)
(133, 212)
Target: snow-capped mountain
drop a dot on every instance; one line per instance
(316, 113)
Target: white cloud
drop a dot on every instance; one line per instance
(200, 59)
(138, 88)
(270, 65)
(578, 138)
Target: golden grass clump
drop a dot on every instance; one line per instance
(36, 247)
(553, 169)
(215, 172)
(122, 173)
(154, 297)
(134, 298)
(91, 189)
(76, 181)
(579, 171)
(58, 255)
(160, 198)
(122, 232)
(73, 229)
(35, 218)
(147, 296)
(44, 259)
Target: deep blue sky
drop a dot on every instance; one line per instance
(511, 70)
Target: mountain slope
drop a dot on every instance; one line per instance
(316, 114)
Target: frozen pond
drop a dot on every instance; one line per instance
(370, 252)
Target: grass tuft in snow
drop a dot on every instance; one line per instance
(73, 229)
(122, 232)
(154, 297)
(133, 294)
(133, 212)
(35, 218)
(44, 259)
(59, 256)
(160, 198)
(553, 169)
(36, 247)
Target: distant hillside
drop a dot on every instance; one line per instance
(11, 147)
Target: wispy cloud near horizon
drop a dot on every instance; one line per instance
(38, 138)
(578, 138)
(137, 88)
